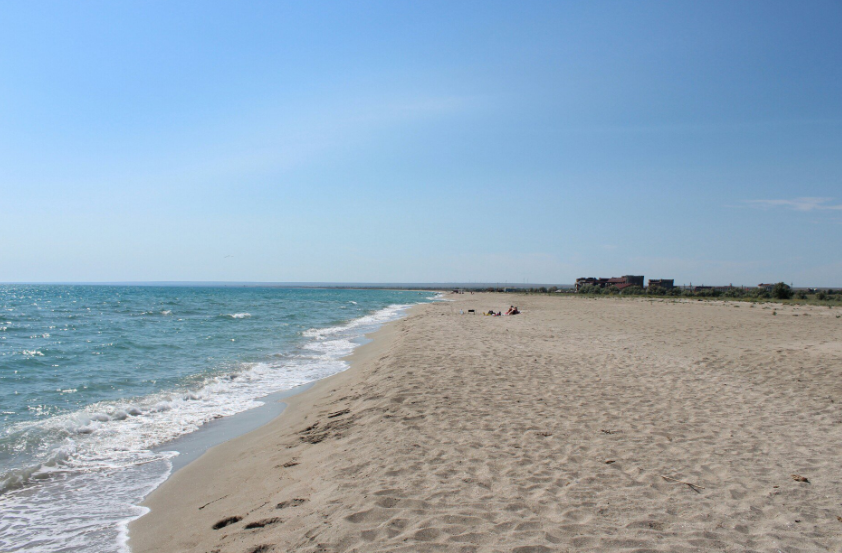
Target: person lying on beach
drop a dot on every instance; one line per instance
(512, 311)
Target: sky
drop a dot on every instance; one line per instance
(519, 142)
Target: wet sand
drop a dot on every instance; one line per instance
(579, 425)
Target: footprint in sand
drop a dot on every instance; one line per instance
(226, 521)
(290, 503)
(262, 523)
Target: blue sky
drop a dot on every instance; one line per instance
(421, 141)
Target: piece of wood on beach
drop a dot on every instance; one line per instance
(799, 478)
(694, 487)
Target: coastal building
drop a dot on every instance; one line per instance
(632, 280)
(618, 282)
(665, 283)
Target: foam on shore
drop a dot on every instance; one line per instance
(107, 457)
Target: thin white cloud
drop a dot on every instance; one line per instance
(797, 204)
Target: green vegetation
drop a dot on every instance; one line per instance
(780, 292)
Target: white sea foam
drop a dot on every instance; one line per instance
(239, 315)
(105, 456)
(372, 320)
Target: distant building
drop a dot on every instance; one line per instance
(767, 287)
(634, 280)
(665, 283)
(619, 282)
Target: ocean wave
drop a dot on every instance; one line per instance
(17, 478)
(376, 318)
(105, 455)
(164, 312)
(103, 433)
(238, 315)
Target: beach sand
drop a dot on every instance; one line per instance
(580, 425)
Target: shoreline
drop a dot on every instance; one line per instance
(287, 412)
(577, 425)
(216, 432)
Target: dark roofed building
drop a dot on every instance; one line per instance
(634, 280)
(665, 283)
(619, 282)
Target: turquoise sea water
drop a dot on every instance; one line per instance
(92, 378)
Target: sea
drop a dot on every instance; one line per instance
(96, 380)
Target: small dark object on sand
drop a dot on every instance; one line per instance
(799, 478)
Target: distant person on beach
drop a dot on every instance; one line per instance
(512, 310)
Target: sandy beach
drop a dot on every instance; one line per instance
(579, 425)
